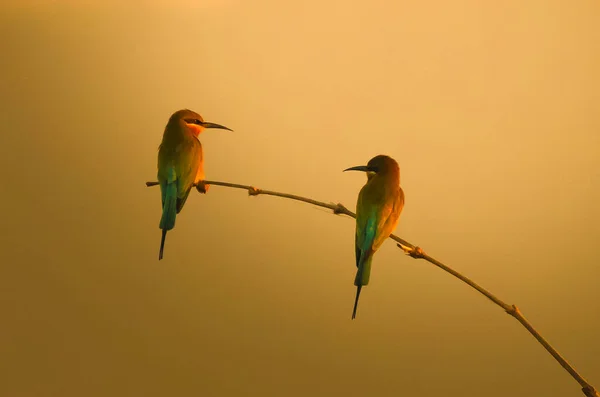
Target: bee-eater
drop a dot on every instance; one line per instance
(378, 209)
(180, 164)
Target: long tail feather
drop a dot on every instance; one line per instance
(358, 288)
(162, 244)
(363, 273)
(167, 221)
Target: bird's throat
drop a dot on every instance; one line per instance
(195, 129)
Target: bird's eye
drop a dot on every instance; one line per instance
(197, 121)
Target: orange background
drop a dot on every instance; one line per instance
(490, 108)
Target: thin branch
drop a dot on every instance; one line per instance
(418, 253)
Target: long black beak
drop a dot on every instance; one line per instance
(206, 124)
(363, 168)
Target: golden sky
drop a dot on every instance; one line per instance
(490, 108)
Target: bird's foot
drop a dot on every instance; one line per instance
(414, 252)
(202, 187)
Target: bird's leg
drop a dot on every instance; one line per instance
(202, 187)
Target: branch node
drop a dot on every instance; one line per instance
(340, 209)
(589, 391)
(513, 310)
(252, 191)
(416, 252)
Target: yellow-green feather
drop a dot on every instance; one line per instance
(378, 209)
(179, 165)
(168, 189)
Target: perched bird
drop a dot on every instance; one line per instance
(378, 209)
(180, 165)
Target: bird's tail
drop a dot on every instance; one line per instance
(358, 288)
(363, 274)
(167, 221)
(362, 278)
(162, 244)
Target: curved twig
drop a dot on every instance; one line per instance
(418, 253)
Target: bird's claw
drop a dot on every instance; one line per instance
(202, 187)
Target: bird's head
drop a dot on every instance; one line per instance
(194, 122)
(378, 165)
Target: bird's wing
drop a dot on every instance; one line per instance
(365, 233)
(188, 163)
(169, 178)
(389, 218)
(167, 173)
(370, 213)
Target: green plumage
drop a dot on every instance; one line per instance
(169, 201)
(378, 209)
(180, 165)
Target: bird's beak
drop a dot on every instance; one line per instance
(363, 168)
(206, 124)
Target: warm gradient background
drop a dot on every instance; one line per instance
(491, 109)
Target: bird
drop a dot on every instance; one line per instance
(180, 165)
(378, 209)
